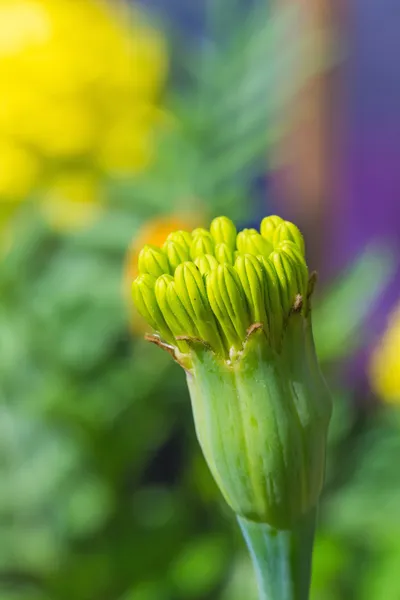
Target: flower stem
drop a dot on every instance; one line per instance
(281, 558)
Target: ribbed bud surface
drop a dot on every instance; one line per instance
(202, 243)
(252, 279)
(145, 301)
(190, 288)
(215, 284)
(206, 263)
(228, 303)
(176, 254)
(172, 308)
(289, 231)
(183, 238)
(251, 242)
(224, 231)
(152, 261)
(224, 254)
(269, 225)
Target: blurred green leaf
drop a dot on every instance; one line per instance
(199, 566)
(340, 315)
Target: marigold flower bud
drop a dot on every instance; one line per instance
(152, 261)
(260, 404)
(224, 231)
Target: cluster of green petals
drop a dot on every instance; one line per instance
(214, 284)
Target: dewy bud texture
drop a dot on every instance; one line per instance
(213, 285)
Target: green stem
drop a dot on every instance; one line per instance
(281, 558)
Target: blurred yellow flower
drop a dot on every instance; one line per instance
(79, 86)
(385, 362)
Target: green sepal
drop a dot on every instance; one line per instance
(145, 301)
(251, 276)
(224, 254)
(273, 303)
(172, 308)
(200, 231)
(250, 241)
(228, 303)
(181, 237)
(291, 250)
(175, 253)
(152, 261)
(202, 243)
(269, 225)
(289, 231)
(288, 280)
(205, 263)
(224, 231)
(190, 288)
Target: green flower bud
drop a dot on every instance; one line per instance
(189, 285)
(175, 253)
(269, 225)
(228, 302)
(172, 308)
(200, 231)
(205, 263)
(224, 232)
(251, 277)
(223, 254)
(250, 241)
(183, 238)
(152, 261)
(146, 304)
(202, 243)
(289, 231)
(260, 404)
